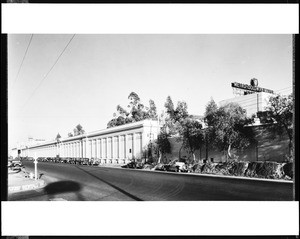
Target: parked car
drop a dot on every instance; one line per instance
(171, 167)
(85, 161)
(181, 167)
(95, 162)
(72, 160)
(129, 165)
(15, 162)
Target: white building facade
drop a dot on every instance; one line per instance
(118, 144)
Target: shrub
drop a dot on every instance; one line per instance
(288, 169)
(238, 168)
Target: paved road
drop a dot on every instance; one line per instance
(86, 183)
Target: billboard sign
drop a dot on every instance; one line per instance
(249, 89)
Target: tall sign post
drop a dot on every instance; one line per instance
(35, 167)
(250, 89)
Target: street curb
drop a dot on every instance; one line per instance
(213, 175)
(26, 187)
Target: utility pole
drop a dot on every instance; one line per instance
(35, 167)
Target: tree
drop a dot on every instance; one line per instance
(58, 137)
(169, 107)
(279, 113)
(152, 110)
(211, 112)
(134, 98)
(191, 134)
(136, 112)
(78, 130)
(162, 144)
(181, 111)
(210, 119)
(227, 127)
(122, 112)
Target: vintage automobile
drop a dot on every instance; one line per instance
(181, 167)
(15, 162)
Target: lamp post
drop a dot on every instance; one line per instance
(35, 167)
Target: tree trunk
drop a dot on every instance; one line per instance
(194, 157)
(200, 153)
(228, 152)
(159, 157)
(206, 149)
(291, 153)
(180, 151)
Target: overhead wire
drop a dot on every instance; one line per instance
(45, 76)
(25, 54)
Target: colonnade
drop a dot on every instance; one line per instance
(109, 149)
(117, 144)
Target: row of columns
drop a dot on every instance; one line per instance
(125, 146)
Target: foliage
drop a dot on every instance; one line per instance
(70, 134)
(152, 110)
(78, 130)
(191, 134)
(162, 144)
(226, 127)
(211, 112)
(136, 112)
(181, 111)
(174, 116)
(57, 137)
(279, 113)
(169, 107)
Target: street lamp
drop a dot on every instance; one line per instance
(35, 167)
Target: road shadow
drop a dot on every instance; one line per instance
(112, 185)
(61, 187)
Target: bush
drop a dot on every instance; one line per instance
(160, 167)
(270, 170)
(238, 168)
(223, 168)
(209, 168)
(253, 168)
(288, 169)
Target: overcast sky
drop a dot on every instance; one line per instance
(95, 73)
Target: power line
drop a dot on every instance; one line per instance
(23, 60)
(45, 76)
(284, 88)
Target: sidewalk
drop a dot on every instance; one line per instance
(18, 180)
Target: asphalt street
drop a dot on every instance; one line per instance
(91, 183)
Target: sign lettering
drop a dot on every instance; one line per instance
(251, 88)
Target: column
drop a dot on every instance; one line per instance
(112, 149)
(68, 149)
(80, 149)
(83, 147)
(91, 148)
(122, 148)
(77, 149)
(105, 149)
(98, 148)
(125, 147)
(133, 146)
(102, 149)
(119, 145)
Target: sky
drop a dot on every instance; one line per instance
(57, 87)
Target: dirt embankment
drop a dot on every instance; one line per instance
(271, 170)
